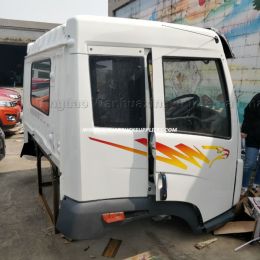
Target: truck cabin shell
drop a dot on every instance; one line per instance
(138, 118)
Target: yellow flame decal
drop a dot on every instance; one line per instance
(222, 152)
(175, 157)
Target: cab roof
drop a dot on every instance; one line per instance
(81, 31)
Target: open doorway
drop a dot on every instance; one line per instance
(11, 65)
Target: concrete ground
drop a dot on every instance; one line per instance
(26, 230)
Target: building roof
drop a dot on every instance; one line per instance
(18, 32)
(26, 25)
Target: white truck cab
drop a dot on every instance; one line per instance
(138, 118)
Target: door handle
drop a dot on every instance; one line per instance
(163, 189)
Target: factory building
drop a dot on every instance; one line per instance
(14, 37)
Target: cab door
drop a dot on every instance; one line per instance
(115, 154)
(195, 141)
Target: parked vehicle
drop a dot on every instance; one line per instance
(2, 144)
(12, 94)
(9, 113)
(137, 118)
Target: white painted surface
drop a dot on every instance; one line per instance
(92, 170)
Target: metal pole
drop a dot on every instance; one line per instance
(39, 169)
(56, 193)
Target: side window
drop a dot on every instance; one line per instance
(118, 91)
(196, 100)
(40, 85)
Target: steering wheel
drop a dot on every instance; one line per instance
(178, 107)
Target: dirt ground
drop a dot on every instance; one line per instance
(26, 230)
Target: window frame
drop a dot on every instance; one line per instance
(49, 87)
(224, 87)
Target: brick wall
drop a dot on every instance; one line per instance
(239, 20)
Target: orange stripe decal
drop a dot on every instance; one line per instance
(120, 146)
(178, 156)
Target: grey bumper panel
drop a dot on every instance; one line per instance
(219, 220)
(83, 220)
